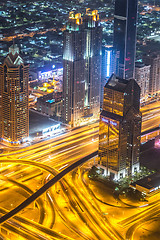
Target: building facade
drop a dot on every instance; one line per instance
(49, 106)
(124, 42)
(153, 60)
(14, 113)
(142, 76)
(81, 68)
(120, 128)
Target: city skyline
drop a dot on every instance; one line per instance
(79, 120)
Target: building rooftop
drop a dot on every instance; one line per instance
(50, 98)
(139, 65)
(13, 59)
(149, 182)
(116, 83)
(39, 122)
(111, 115)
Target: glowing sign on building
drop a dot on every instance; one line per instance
(50, 74)
(52, 129)
(113, 123)
(109, 121)
(105, 120)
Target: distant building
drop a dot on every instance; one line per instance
(124, 42)
(14, 113)
(81, 68)
(41, 125)
(142, 76)
(107, 67)
(148, 185)
(156, 3)
(153, 60)
(45, 74)
(49, 105)
(120, 128)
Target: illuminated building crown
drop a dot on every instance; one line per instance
(13, 59)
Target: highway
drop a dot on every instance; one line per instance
(150, 116)
(73, 206)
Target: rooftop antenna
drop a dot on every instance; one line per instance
(13, 42)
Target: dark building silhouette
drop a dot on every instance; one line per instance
(14, 112)
(82, 68)
(124, 43)
(120, 128)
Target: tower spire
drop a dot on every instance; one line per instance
(13, 42)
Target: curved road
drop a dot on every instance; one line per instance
(43, 189)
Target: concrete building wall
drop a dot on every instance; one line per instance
(142, 76)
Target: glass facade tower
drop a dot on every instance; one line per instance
(120, 128)
(14, 111)
(124, 43)
(82, 68)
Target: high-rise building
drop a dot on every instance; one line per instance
(153, 60)
(107, 67)
(124, 42)
(120, 128)
(142, 76)
(14, 113)
(82, 68)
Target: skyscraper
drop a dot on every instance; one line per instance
(124, 43)
(14, 113)
(82, 68)
(120, 128)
